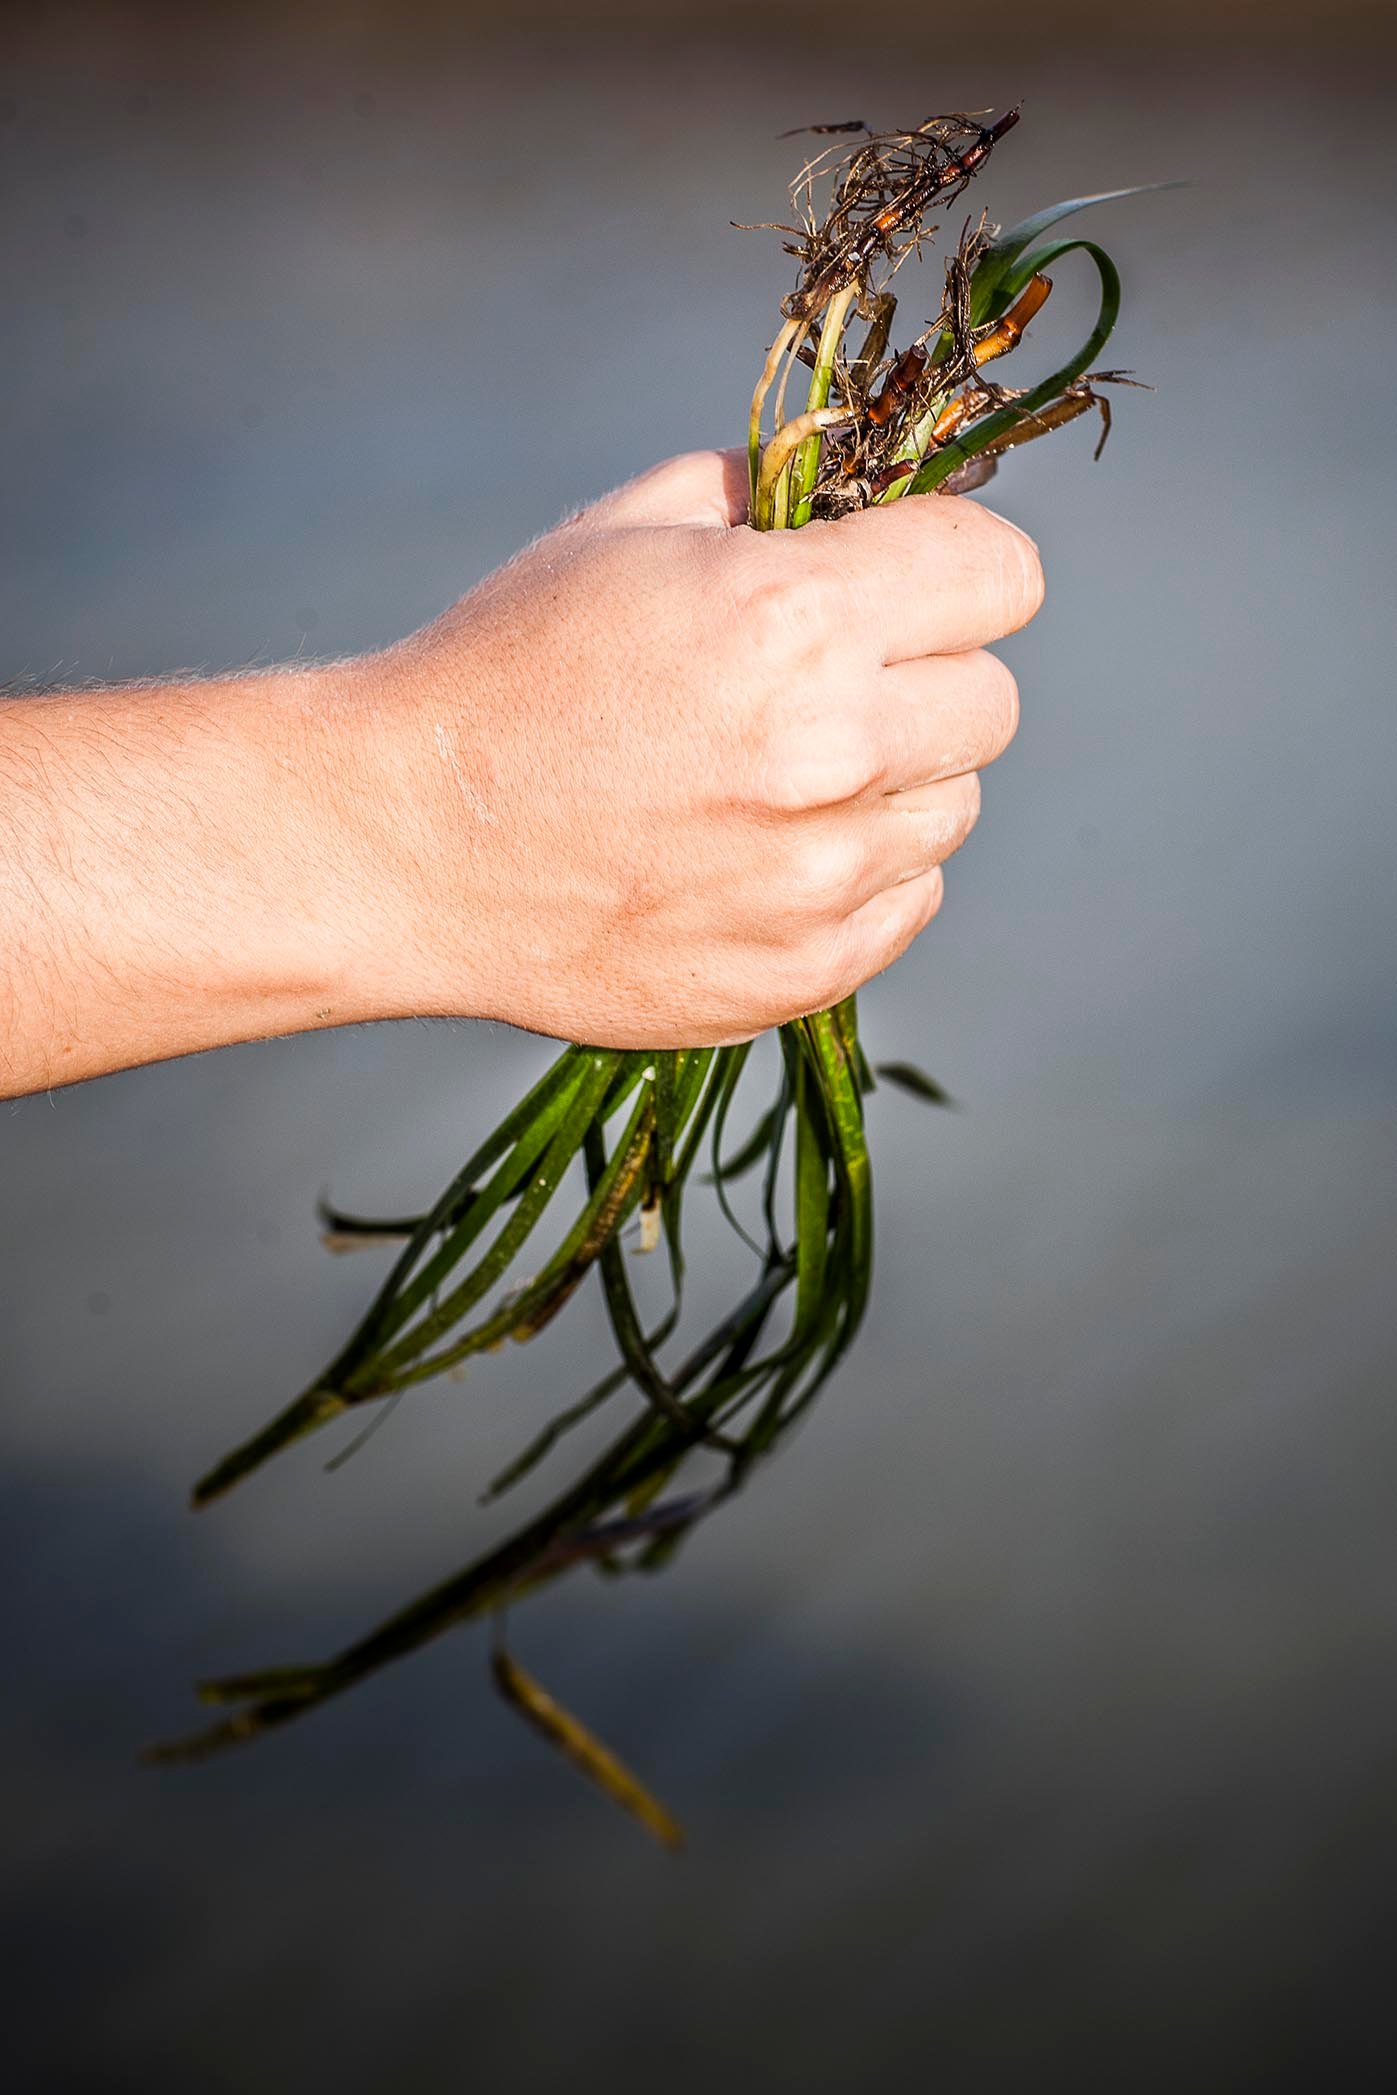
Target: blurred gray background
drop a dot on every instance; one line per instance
(1033, 1717)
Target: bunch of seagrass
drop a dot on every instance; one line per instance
(874, 427)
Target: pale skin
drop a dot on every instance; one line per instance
(659, 781)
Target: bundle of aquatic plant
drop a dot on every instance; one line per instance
(615, 1139)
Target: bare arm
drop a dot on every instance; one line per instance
(659, 780)
(173, 865)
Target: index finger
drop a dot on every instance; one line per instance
(932, 575)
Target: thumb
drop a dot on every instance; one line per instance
(698, 488)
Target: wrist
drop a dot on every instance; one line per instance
(395, 749)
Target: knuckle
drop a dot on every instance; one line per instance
(784, 593)
(828, 972)
(1021, 578)
(950, 817)
(918, 902)
(813, 760)
(1012, 571)
(823, 873)
(833, 961)
(932, 899)
(925, 902)
(982, 715)
(1003, 704)
(808, 975)
(966, 812)
(782, 602)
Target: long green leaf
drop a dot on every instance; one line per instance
(561, 1150)
(992, 288)
(540, 1106)
(948, 457)
(525, 1310)
(915, 1082)
(757, 1145)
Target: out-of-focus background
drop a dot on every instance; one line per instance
(1034, 1716)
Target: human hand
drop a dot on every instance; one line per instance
(661, 780)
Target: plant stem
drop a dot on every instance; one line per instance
(781, 449)
(807, 467)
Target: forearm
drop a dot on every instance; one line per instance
(174, 865)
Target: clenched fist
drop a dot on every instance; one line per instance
(664, 780)
(661, 780)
